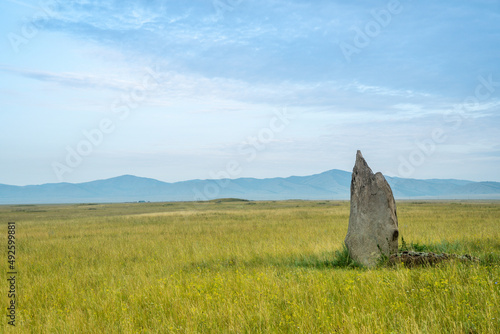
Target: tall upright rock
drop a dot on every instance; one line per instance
(373, 223)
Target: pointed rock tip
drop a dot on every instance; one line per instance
(361, 163)
(360, 159)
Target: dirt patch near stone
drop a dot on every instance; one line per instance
(414, 259)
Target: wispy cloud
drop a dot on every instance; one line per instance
(24, 4)
(65, 79)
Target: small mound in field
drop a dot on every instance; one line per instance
(225, 200)
(413, 259)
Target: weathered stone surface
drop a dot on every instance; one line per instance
(373, 223)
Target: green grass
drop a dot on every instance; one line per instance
(246, 267)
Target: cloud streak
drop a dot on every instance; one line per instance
(82, 80)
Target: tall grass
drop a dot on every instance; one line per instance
(246, 267)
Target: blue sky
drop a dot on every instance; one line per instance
(178, 90)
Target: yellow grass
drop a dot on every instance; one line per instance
(244, 267)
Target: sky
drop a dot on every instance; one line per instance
(202, 89)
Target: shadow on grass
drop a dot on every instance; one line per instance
(488, 251)
(339, 259)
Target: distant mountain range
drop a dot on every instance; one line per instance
(333, 184)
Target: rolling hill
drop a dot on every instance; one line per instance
(333, 184)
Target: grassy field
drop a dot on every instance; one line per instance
(244, 267)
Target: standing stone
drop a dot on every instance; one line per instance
(373, 223)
